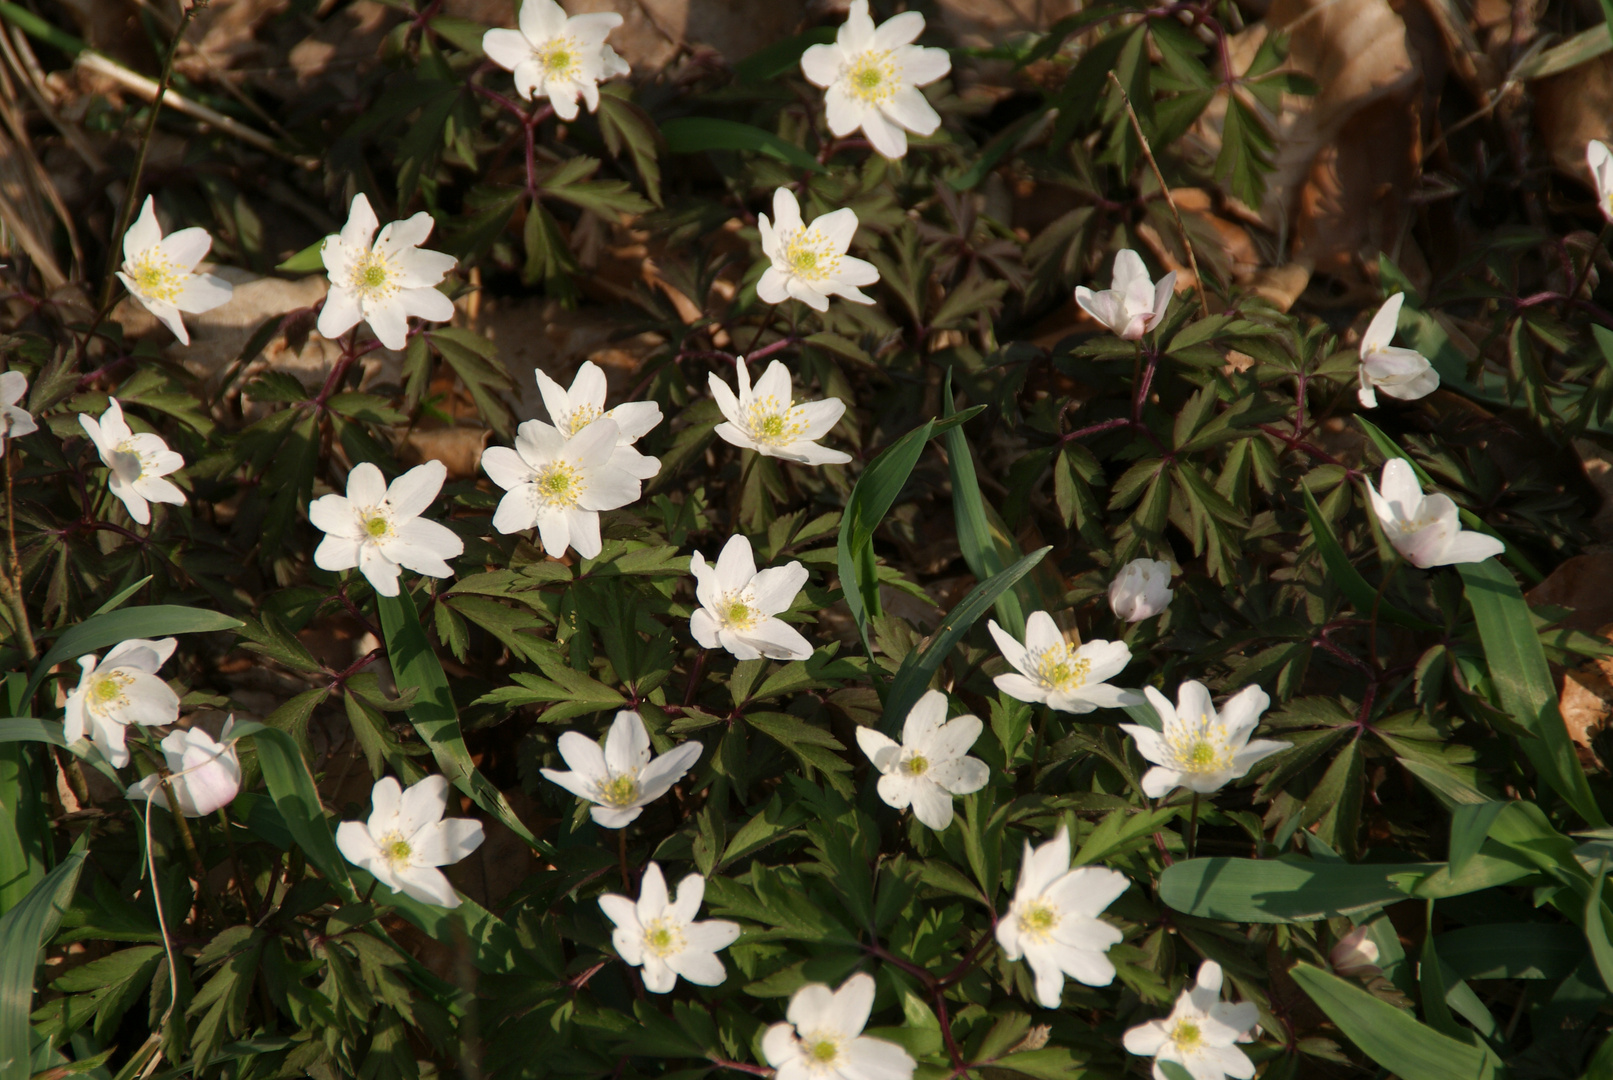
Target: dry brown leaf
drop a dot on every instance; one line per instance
(1570, 110)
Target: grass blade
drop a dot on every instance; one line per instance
(291, 786)
(974, 531)
(102, 631)
(23, 931)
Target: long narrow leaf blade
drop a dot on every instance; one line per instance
(969, 511)
(291, 786)
(102, 631)
(23, 931)
(1349, 580)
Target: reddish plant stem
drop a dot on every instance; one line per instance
(740, 1066)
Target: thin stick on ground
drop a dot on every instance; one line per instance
(1181, 230)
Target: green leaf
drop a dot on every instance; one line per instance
(1349, 580)
(694, 134)
(781, 57)
(27, 729)
(306, 261)
(920, 665)
(1470, 824)
(23, 932)
(101, 631)
(1596, 928)
(1283, 890)
(1512, 950)
(291, 786)
(969, 511)
(1391, 1036)
(415, 666)
(1519, 673)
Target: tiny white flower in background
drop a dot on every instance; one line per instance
(1355, 954)
(766, 420)
(557, 57)
(1133, 304)
(560, 484)
(620, 778)
(1141, 590)
(136, 464)
(570, 411)
(382, 283)
(1401, 373)
(379, 528)
(406, 838)
(1425, 529)
(206, 775)
(872, 75)
(1053, 921)
(1600, 159)
(157, 271)
(121, 688)
(14, 422)
(1201, 1032)
(738, 604)
(929, 766)
(810, 262)
(1049, 672)
(662, 937)
(823, 1038)
(1201, 749)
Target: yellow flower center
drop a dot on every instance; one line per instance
(663, 938)
(737, 613)
(873, 78)
(1038, 920)
(807, 254)
(917, 765)
(1060, 669)
(771, 422)
(559, 485)
(1201, 755)
(156, 278)
(1202, 748)
(559, 57)
(579, 418)
(823, 1050)
(377, 526)
(372, 276)
(619, 790)
(1186, 1033)
(398, 851)
(395, 849)
(108, 688)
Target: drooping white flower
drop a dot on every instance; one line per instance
(930, 765)
(570, 411)
(407, 838)
(1600, 159)
(136, 464)
(1201, 1034)
(1201, 749)
(1355, 954)
(823, 1038)
(382, 283)
(557, 57)
(810, 262)
(1133, 304)
(379, 528)
(661, 936)
(872, 75)
(1049, 671)
(620, 778)
(1425, 529)
(120, 689)
(560, 484)
(158, 271)
(1401, 373)
(738, 604)
(205, 775)
(1053, 921)
(1141, 590)
(766, 420)
(14, 422)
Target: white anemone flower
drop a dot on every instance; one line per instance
(1141, 590)
(1047, 671)
(14, 421)
(620, 778)
(382, 283)
(738, 604)
(823, 1039)
(205, 774)
(570, 411)
(561, 485)
(660, 935)
(1425, 529)
(159, 270)
(557, 57)
(1133, 304)
(872, 75)
(1199, 748)
(136, 464)
(810, 262)
(379, 529)
(1053, 921)
(930, 765)
(1600, 159)
(1201, 1034)
(1401, 373)
(406, 839)
(120, 689)
(766, 420)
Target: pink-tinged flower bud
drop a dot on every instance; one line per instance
(204, 775)
(1141, 590)
(1356, 954)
